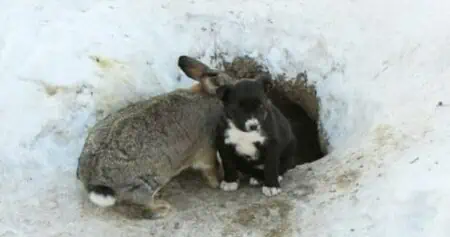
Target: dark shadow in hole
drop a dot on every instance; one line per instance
(305, 128)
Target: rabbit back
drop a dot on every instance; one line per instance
(151, 140)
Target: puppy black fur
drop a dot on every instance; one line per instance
(250, 119)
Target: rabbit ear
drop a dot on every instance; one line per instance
(194, 69)
(210, 79)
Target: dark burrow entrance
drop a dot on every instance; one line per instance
(297, 101)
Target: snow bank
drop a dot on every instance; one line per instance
(380, 69)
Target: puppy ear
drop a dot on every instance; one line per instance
(266, 81)
(222, 92)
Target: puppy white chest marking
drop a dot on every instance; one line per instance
(244, 142)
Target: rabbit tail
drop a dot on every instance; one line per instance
(102, 196)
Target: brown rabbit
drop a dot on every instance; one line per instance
(131, 154)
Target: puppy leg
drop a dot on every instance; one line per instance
(255, 182)
(271, 185)
(256, 172)
(230, 180)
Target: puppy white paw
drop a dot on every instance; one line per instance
(253, 181)
(225, 186)
(271, 191)
(280, 178)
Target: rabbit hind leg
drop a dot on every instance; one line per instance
(139, 202)
(205, 161)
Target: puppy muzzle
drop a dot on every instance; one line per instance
(252, 125)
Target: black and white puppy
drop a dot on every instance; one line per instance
(253, 136)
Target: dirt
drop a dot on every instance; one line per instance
(103, 62)
(272, 217)
(245, 211)
(348, 178)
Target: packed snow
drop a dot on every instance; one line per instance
(382, 71)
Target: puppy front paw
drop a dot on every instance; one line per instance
(253, 181)
(271, 191)
(280, 178)
(225, 186)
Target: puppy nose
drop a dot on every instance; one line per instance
(253, 127)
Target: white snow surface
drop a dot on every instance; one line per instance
(380, 67)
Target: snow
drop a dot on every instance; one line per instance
(380, 67)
